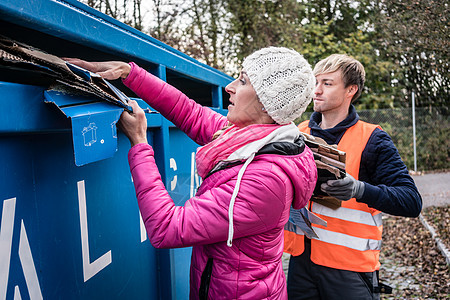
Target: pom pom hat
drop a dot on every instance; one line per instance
(283, 81)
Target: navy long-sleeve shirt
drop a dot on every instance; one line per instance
(388, 185)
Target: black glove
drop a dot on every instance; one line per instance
(344, 189)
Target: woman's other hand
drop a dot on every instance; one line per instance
(110, 70)
(134, 124)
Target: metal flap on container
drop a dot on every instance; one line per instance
(94, 129)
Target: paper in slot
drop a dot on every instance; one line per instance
(29, 65)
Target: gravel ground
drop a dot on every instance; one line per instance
(411, 262)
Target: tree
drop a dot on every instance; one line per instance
(416, 36)
(164, 21)
(120, 10)
(255, 24)
(344, 27)
(403, 44)
(204, 34)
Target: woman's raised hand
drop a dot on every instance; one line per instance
(110, 70)
(134, 124)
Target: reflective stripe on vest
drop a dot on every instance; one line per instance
(348, 214)
(349, 241)
(352, 238)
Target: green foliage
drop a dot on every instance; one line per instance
(335, 29)
(415, 35)
(255, 24)
(432, 131)
(403, 45)
(433, 150)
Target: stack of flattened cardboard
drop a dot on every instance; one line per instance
(330, 165)
(59, 75)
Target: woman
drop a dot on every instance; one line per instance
(253, 163)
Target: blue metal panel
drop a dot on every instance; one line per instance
(93, 126)
(38, 173)
(217, 97)
(74, 21)
(24, 110)
(183, 185)
(71, 232)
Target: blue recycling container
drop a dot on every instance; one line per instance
(70, 224)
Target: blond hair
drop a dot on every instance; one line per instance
(352, 70)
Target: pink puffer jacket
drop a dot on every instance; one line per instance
(251, 268)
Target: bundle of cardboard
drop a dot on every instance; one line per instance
(330, 164)
(22, 62)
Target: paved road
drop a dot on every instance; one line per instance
(434, 188)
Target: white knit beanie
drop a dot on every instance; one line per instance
(283, 81)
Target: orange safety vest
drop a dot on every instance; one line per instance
(352, 238)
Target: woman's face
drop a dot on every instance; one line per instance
(245, 108)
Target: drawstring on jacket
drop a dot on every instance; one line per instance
(233, 199)
(248, 147)
(286, 133)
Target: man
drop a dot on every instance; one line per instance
(344, 262)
